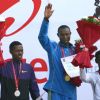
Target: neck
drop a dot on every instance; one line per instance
(64, 44)
(16, 60)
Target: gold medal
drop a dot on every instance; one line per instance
(67, 78)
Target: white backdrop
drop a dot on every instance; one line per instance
(65, 12)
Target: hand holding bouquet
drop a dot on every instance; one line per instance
(82, 59)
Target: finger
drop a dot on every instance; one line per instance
(49, 6)
(52, 11)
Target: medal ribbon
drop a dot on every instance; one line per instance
(15, 77)
(63, 53)
(67, 77)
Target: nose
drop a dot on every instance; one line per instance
(20, 52)
(66, 36)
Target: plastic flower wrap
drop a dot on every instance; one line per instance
(84, 55)
(89, 30)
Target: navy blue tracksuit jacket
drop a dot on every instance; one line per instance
(27, 81)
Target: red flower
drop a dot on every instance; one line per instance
(89, 32)
(76, 81)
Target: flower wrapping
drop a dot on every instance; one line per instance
(89, 31)
(82, 59)
(76, 81)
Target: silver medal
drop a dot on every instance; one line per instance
(17, 93)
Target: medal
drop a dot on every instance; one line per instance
(67, 78)
(17, 93)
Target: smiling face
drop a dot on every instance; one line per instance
(64, 34)
(16, 50)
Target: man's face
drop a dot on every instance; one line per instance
(17, 52)
(64, 35)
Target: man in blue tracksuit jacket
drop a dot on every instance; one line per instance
(17, 78)
(56, 86)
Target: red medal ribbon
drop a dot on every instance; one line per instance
(63, 53)
(15, 77)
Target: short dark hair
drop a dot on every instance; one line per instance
(62, 27)
(97, 53)
(14, 43)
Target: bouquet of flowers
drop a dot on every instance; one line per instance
(84, 55)
(89, 31)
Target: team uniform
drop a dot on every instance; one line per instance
(26, 81)
(56, 86)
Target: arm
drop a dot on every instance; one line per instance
(43, 37)
(33, 86)
(86, 77)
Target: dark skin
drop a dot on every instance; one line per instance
(97, 59)
(64, 34)
(17, 52)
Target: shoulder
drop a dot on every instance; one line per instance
(7, 63)
(54, 43)
(27, 66)
(72, 47)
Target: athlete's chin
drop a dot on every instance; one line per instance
(19, 58)
(66, 42)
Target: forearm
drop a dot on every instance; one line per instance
(34, 91)
(43, 35)
(44, 28)
(33, 86)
